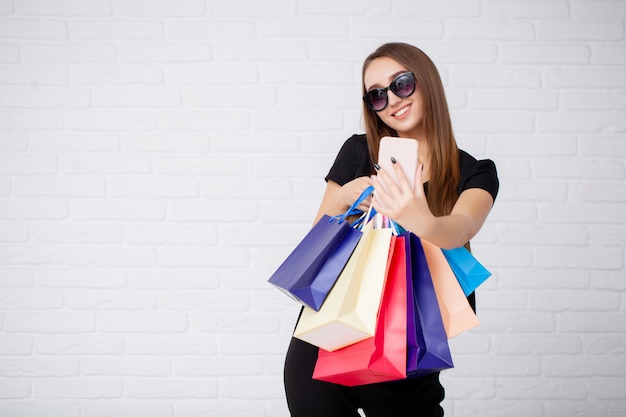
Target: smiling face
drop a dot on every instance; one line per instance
(404, 115)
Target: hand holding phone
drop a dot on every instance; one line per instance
(404, 151)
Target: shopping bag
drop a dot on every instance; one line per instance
(468, 271)
(349, 313)
(456, 312)
(428, 349)
(382, 357)
(310, 271)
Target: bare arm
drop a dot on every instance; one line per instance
(410, 209)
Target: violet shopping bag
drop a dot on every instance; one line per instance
(310, 271)
(428, 349)
(349, 313)
(456, 312)
(468, 271)
(382, 357)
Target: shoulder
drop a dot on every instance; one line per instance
(352, 161)
(477, 173)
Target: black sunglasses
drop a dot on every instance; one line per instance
(402, 86)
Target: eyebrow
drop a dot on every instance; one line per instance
(393, 77)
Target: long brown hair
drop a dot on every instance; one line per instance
(444, 158)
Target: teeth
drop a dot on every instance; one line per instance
(401, 112)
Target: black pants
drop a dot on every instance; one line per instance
(307, 397)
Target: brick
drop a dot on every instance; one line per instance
(162, 8)
(460, 388)
(31, 120)
(310, 73)
(211, 257)
(542, 54)
(216, 366)
(545, 278)
(17, 276)
(232, 97)
(580, 121)
(266, 50)
(598, 9)
(286, 235)
(142, 322)
(42, 74)
(49, 322)
(114, 299)
(607, 388)
(9, 53)
(79, 344)
(521, 100)
(108, 256)
(231, 301)
(582, 169)
(451, 8)
(31, 254)
(62, 277)
(141, 97)
(542, 388)
(125, 407)
(116, 29)
(68, 53)
(264, 142)
(59, 187)
(179, 142)
(526, 9)
(493, 121)
(110, 120)
(205, 165)
(85, 388)
(497, 407)
(179, 388)
(545, 234)
(593, 100)
(535, 191)
(118, 209)
(179, 234)
(115, 74)
(31, 298)
(32, 29)
(495, 77)
(523, 344)
(173, 345)
(504, 30)
(153, 187)
(211, 120)
(505, 366)
(584, 366)
(213, 211)
(14, 232)
(15, 344)
(164, 52)
(602, 144)
(590, 322)
(236, 344)
(291, 166)
(574, 300)
(279, 211)
(72, 142)
(6, 7)
(584, 77)
(599, 192)
(252, 387)
(580, 29)
(13, 388)
(39, 367)
(65, 8)
(219, 29)
(235, 188)
(585, 257)
(520, 145)
(103, 163)
(588, 406)
(516, 322)
(13, 142)
(28, 164)
(604, 344)
(126, 366)
(235, 322)
(242, 8)
(177, 278)
(608, 54)
(404, 27)
(213, 74)
(306, 26)
(53, 408)
(5, 187)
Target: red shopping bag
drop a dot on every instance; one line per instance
(383, 356)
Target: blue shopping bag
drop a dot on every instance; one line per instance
(468, 271)
(312, 268)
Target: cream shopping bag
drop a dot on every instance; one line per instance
(350, 311)
(456, 312)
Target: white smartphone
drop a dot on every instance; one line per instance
(404, 150)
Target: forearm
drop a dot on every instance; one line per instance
(447, 232)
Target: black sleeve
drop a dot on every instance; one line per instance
(352, 161)
(478, 174)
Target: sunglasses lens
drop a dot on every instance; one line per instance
(377, 99)
(403, 86)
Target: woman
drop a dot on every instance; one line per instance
(453, 194)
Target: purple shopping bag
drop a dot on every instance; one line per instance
(428, 350)
(310, 271)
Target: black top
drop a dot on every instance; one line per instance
(353, 161)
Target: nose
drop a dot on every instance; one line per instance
(392, 98)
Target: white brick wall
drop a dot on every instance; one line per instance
(158, 159)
